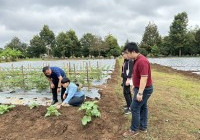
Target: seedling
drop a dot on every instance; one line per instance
(5, 108)
(33, 105)
(52, 110)
(91, 110)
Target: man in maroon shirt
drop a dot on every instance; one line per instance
(142, 90)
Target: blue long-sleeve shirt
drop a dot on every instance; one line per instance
(72, 91)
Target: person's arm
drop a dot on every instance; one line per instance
(143, 83)
(59, 82)
(58, 74)
(50, 82)
(143, 68)
(64, 96)
(71, 92)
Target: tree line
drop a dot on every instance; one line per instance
(180, 40)
(65, 44)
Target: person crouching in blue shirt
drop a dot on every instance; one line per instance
(55, 75)
(73, 95)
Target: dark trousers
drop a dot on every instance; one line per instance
(77, 101)
(140, 109)
(127, 93)
(54, 91)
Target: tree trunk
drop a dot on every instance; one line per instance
(180, 52)
(48, 54)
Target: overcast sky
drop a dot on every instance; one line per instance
(125, 19)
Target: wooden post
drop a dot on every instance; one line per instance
(89, 65)
(87, 75)
(12, 67)
(74, 69)
(97, 65)
(80, 67)
(23, 82)
(69, 67)
(65, 68)
(83, 66)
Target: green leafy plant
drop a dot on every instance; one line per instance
(28, 78)
(40, 82)
(91, 109)
(52, 110)
(5, 108)
(33, 105)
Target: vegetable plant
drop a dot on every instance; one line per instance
(52, 110)
(5, 108)
(27, 78)
(91, 110)
(33, 105)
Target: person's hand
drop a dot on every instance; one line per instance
(132, 88)
(127, 82)
(64, 96)
(58, 90)
(139, 97)
(52, 85)
(58, 106)
(64, 104)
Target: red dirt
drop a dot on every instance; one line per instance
(23, 123)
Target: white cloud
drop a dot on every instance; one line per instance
(125, 19)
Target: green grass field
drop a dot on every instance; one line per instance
(174, 107)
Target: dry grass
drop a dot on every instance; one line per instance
(174, 108)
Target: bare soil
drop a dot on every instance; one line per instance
(22, 123)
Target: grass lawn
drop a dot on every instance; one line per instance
(174, 107)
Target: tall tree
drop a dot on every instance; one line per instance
(197, 38)
(113, 48)
(178, 30)
(151, 37)
(155, 51)
(75, 44)
(97, 46)
(37, 47)
(63, 45)
(17, 45)
(48, 38)
(190, 46)
(86, 43)
(166, 48)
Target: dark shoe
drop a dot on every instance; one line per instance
(54, 102)
(130, 133)
(144, 130)
(127, 111)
